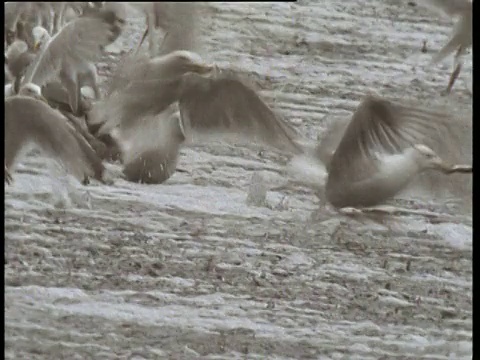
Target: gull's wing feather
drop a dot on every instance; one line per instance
(227, 105)
(19, 65)
(139, 87)
(123, 109)
(330, 138)
(130, 67)
(31, 120)
(150, 151)
(382, 126)
(57, 97)
(81, 39)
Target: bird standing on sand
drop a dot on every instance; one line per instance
(69, 54)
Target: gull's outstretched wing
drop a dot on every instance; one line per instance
(30, 120)
(144, 87)
(380, 126)
(226, 105)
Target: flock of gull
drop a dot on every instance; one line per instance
(157, 102)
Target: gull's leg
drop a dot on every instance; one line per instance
(453, 77)
(89, 78)
(13, 144)
(456, 71)
(56, 22)
(16, 84)
(151, 40)
(50, 23)
(60, 16)
(73, 89)
(143, 39)
(8, 176)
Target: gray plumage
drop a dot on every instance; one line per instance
(68, 56)
(18, 58)
(21, 17)
(79, 40)
(153, 157)
(383, 147)
(30, 120)
(57, 98)
(225, 104)
(220, 104)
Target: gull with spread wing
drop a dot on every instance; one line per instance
(29, 119)
(383, 148)
(211, 103)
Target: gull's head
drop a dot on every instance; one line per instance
(188, 61)
(428, 159)
(32, 90)
(40, 37)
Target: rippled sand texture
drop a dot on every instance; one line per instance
(189, 269)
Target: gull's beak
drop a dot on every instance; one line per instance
(203, 68)
(36, 46)
(463, 169)
(440, 165)
(450, 169)
(41, 98)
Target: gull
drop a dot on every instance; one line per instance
(17, 59)
(151, 156)
(461, 38)
(8, 76)
(29, 119)
(382, 149)
(13, 11)
(139, 113)
(70, 53)
(85, 71)
(21, 17)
